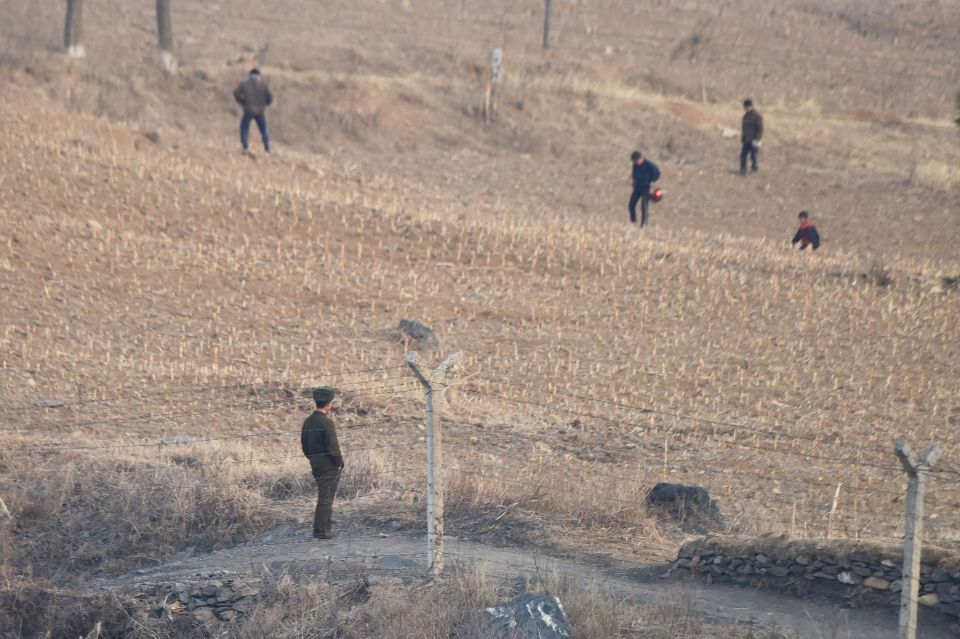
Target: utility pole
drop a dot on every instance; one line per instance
(434, 383)
(546, 23)
(917, 468)
(73, 30)
(165, 36)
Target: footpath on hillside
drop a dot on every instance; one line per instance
(380, 556)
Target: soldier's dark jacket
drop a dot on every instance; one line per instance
(752, 127)
(318, 438)
(254, 96)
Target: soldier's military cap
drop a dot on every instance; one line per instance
(324, 394)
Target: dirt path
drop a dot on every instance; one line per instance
(379, 555)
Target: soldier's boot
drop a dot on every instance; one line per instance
(322, 521)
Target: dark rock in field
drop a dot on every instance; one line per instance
(229, 615)
(778, 571)
(849, 578)
(951, 609)
(940, 575)
(684, 502)
(530, 616)
(203, 615)
(863, 571)
(412, 331)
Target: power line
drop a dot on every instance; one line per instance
(831, 460)
(677, 415)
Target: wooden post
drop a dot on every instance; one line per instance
(917, 468)
(548, 10)
(491, 92)
(165, 36)
(434, 382)
(73, 30)
(833, 509)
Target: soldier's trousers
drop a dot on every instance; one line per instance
(643, 198)
(327, 479)
(748, 151)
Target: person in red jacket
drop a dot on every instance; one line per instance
(807, 233)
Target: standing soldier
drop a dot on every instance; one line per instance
(254, 96)
(318, 438)
(751, 134)
(645, 173)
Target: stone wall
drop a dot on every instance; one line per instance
(862, 574)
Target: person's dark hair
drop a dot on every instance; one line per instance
(747, 103)
(324, 404)
(254, 71)
(804, 215)
(636, 155)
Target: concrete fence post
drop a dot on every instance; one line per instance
(434, 383)
(917, 467)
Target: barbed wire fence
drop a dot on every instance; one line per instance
(552, 449)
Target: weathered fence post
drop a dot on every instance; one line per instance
(434, 383)
(73, 29)
(491, 90)
(165, 36)
(917, 468)
(548, 10)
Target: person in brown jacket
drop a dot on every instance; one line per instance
(318, 438)
(751, 134)
(254, 96)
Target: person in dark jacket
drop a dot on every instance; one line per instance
(645, 173)
(318, 438)
(254, 96)
(751, 135)
(807, 233)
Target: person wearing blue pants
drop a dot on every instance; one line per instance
(254, 96)
(645, 173)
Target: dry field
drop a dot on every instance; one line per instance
(179, 296)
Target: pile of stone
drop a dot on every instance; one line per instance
(857, 576)
(224, 599)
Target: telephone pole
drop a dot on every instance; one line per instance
(165, 36)
(73, 29)
(547, 14)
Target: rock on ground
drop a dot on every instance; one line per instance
(685, 503)
(420, 334)
(531, 616)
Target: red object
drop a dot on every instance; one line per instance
(657, 195)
